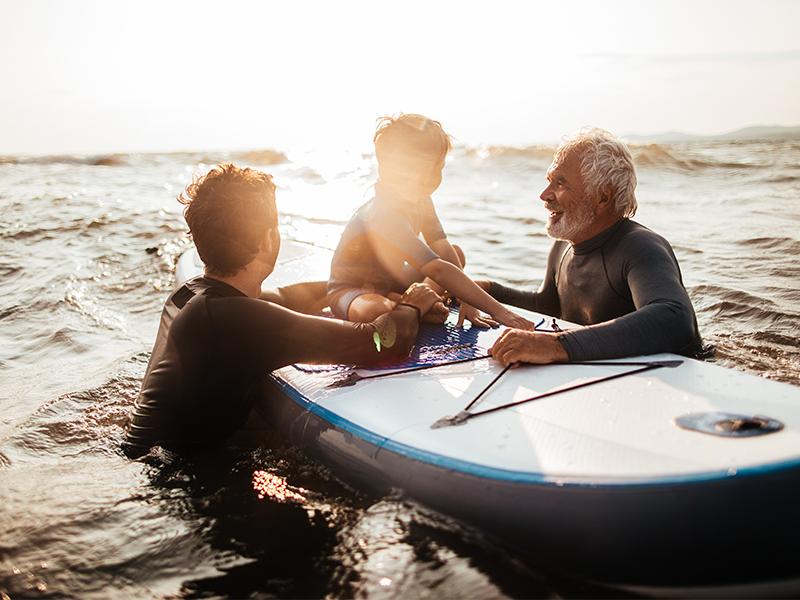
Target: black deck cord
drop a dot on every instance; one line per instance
(465, 415)
(486, 389)
(352, 378)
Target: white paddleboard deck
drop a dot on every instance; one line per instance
(621, 430)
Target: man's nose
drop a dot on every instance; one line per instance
(547, 193)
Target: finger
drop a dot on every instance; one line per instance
(481, 321)
(511, 356)
(522, 323)
(505, 358)
(439, 306)
(499, 350)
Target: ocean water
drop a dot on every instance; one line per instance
(87, 250)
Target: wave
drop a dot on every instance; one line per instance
(781, 179)
(687, 158)
(645, 156)
(262, 157)
(681, 158)
(252, 157)
(788, 245)
(721, 309)
(104, 160)
(540, 152)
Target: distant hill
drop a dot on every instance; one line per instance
(759, 132)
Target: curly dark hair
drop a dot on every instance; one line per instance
(228, 211)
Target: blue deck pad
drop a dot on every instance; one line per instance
(440, 344)
(436, 345)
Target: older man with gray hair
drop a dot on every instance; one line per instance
(612, 276)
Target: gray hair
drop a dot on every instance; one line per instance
(605, 160)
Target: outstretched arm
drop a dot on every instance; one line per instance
(302, 338)
(448, 252)
(309, 298)
(545, 300)
(455, 281)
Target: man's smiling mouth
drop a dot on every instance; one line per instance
(554, 212)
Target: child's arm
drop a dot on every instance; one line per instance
(445, 250)
(455, 281)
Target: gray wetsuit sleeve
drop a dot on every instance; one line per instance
(544, 301)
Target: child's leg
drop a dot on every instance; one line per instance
(461, 256)
(368, 307)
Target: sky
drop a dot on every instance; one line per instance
(92, 77)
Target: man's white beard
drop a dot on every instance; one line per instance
(570, 227)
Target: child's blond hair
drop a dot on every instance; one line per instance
(410, 135)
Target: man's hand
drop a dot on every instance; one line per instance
(424, 298)
(535, 347)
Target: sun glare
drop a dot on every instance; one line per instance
(275, 487)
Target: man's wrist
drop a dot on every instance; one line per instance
(419, 312)
(561, 354)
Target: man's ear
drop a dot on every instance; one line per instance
(605, 199)
(266, 241)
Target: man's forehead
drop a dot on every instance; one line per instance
(566, 162)
(556, 167)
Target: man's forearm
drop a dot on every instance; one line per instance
(514, 297)
(656, 328)
(309, 298)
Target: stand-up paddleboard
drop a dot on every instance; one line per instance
(659, 474)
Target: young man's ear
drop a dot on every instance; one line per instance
(268, 240)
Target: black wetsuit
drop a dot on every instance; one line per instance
(625, 285)
(215, 347)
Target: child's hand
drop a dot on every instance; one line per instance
(474, 316)
(513, 320)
